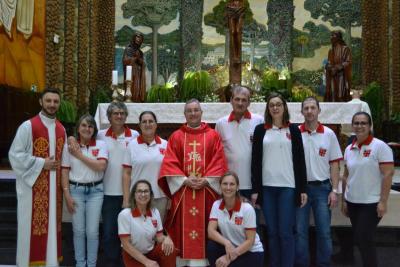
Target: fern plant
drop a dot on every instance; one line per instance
(161, 94)
(195, 84)
(67, 112)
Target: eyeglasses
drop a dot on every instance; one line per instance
(276, 105)
(116, 113)
(142, 192)
(360, 123)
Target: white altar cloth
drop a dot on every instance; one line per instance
(331, 113)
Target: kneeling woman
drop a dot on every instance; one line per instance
(236, 243)
(82, 179)
(141, 232)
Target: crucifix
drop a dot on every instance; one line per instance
(194, 158)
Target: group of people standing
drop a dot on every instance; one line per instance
(196, 199)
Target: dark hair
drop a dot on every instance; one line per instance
(147, 112)
(310, 98)
(132, 200)
(234, 175)
(268, 117)
(362, 113)
(116, 105)
(50, 90)
(340, 37)
(90, 120)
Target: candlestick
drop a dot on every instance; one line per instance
(128, 93)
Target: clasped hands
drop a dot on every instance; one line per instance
(231, 255)
(195, 182)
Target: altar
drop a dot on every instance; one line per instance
(172, 113)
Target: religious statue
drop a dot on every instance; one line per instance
(338, 70)
(133, 56)
(235, 15)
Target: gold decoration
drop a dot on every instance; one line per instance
(193, 234)
(41, 146)
(40, 204)
(194, 211)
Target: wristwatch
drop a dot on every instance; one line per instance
(335, 191)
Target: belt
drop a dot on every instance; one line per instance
(85, 184)
(317, 182)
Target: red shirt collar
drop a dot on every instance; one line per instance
(246, 115)
(111, 134)
(236, 207)
(136, 213)
(268, 126)
(365, 143)
(140, 140)
(320, 128)
(91, 143)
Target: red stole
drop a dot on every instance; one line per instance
(41, 192)
(196, 152)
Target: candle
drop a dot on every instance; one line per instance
(128, 73)
(114, 77)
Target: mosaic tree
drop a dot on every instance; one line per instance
(154, 14)
(342, 13)
(254, 33)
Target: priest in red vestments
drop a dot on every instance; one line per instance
(193, 163)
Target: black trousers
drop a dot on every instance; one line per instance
(364, 221)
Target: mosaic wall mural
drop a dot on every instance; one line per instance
(293, 34)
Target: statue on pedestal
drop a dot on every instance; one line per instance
(133, 56)
(338, 70)
(235, 15)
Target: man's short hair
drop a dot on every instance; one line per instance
(116, 105)
(193, 100)
(310, 98)
(237, 89)
(50, 90)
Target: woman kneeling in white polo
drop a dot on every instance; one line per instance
(236, 243)
(82, 180)
(139, 227)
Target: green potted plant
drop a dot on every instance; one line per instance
(67, 114)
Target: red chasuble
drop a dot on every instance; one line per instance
(191, 152)
(41, 192)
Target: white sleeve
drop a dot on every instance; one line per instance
(249, 220)
(124, 223)
(66, 159)
(175, 183)
(335, 152)
(127, 160)
(214, 184)
(24, 164)
(159, 221)
(103, 151)
(214, 211)
(385, 154)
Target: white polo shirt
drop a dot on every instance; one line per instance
(79, 171)
(237, 138)
(321, 148)
(365, 178)
(116, 146)
(233, 225)
(277, 164)
(145, 161)
(141, 229)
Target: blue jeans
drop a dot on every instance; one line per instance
(112, 205)
(280, 216)
(318, 201)
(216, 250)
(85, 223)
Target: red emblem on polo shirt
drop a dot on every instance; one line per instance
(322, 152)
(162, 151)
(288, 136)
(238, 220)
(367, 152)
(95, 152)
(154, 223)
